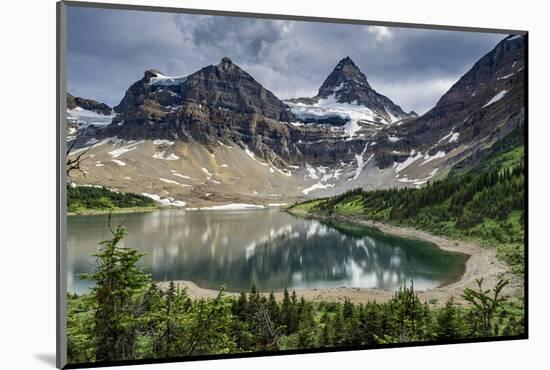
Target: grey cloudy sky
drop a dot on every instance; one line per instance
(109, 49)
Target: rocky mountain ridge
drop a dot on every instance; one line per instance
(230, 139)
(484, 105)
(88, 104)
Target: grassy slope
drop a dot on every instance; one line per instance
(505, 153)
(505, 232)
(97, 200)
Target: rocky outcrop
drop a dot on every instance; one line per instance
(88, 104)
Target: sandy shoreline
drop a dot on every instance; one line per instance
(94, 212)
(482, 263)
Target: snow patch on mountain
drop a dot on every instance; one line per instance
(208, 174)
(496, 98)
(163, 142)
(251, 155)
(175, 173)
(232, 207)
(119, 162)
(172, 182)
(161, 155)
(330, 107)
(317, 186)
(360, 162)
(505, 77)
(165, 201)
(287, 173)
(312, 173)
(429, 158)
(86, 117)
(163, 80)
(125, 149)
(419, 182)
(410, 160)
(172, 157)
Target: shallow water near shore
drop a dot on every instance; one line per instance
(270, 249)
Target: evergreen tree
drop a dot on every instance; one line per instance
(118, 283)
(327, 333)
(486, 302)
(340, 330)
(286, 312)
(448, 322)
(306, 326)
(273, 309)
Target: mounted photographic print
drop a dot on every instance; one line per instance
(235, 184)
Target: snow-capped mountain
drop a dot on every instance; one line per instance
(346, 99)
(217, 136)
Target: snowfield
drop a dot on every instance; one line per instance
(87, 117)
(330, 107)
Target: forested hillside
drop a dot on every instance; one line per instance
(91, 198)
(482, 199)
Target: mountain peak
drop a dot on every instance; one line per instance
(150, 73)
(348, 67)
(345, 73)
(348, 84)
(347, 61)
(226, 64)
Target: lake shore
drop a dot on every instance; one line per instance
(482, 263)
(90, 212)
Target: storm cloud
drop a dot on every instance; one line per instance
(109, 49)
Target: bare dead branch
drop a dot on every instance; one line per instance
(73, 164)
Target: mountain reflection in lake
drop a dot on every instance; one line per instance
(266, 248)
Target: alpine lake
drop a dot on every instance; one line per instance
(268, 248)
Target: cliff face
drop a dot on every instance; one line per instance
(481, 107)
